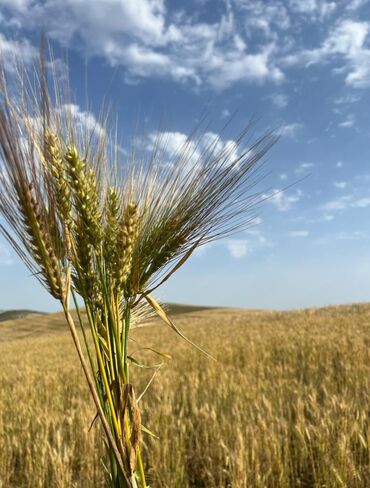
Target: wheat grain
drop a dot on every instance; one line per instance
(126, 236)
(40, 243)
(56, 166)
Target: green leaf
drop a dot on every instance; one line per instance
(149, 432)
(162, 314)
(160, 353)
(141, 365)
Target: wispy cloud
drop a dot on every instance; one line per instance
(282, 200)
(12, 49)
(173, 142)
(345, 202)
(255, 240)
(279, 100)
(238, 248)
(290, 130)
(314, 9)
(299, 233)
(303, 168)
(361, 203)
(202, 250)
(149, 42)
(341, 185)
(348, 122)
(340, 236)
(347, 99)
(347, 42)
(356, 4)
(337, 204)
(155, 39)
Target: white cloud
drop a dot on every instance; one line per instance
(283, 176)
(279, 100)
(257, 238)
(345, 202)
(299, 233)
(202, 250)
(224, 68)
(347, 42)
(347, 99)
(356, 4)
(11, 51)
(265, 17)
(290, 130)
(83, 120)
(19, 5)
(250, 41)
(361, 203)
(238, 248)
(281, 200)
(349, 236)
(304, 7)
(172, 141)
(341, 185)
(257, 221)
(210, 143)
(340, 236)
(339, 164)
(348, 123)
(150, 42)
(326, 9)
(338, 204)
(303, 168)
(314, 9)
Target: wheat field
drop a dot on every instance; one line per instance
(286, 405)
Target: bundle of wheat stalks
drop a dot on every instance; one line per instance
(108, 230)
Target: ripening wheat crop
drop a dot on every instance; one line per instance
(287, 407)
(109, 232)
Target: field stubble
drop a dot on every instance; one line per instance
(287, 405)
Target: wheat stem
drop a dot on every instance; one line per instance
(90, 383)
(141, 468)
(103, 374)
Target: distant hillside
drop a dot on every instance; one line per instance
(22, 324)
(16, 314)
(178, 308)
(172, 308)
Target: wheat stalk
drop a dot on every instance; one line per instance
(111, 239)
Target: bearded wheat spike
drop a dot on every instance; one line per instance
(85, 193)
(85, 264)
(44, 253)
(54, 160)
(127, 234)
(166, 245)
(87, 228)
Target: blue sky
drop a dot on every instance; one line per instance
(301, 65)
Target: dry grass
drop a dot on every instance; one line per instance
(286, 406)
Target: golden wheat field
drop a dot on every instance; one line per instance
(286, 405)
